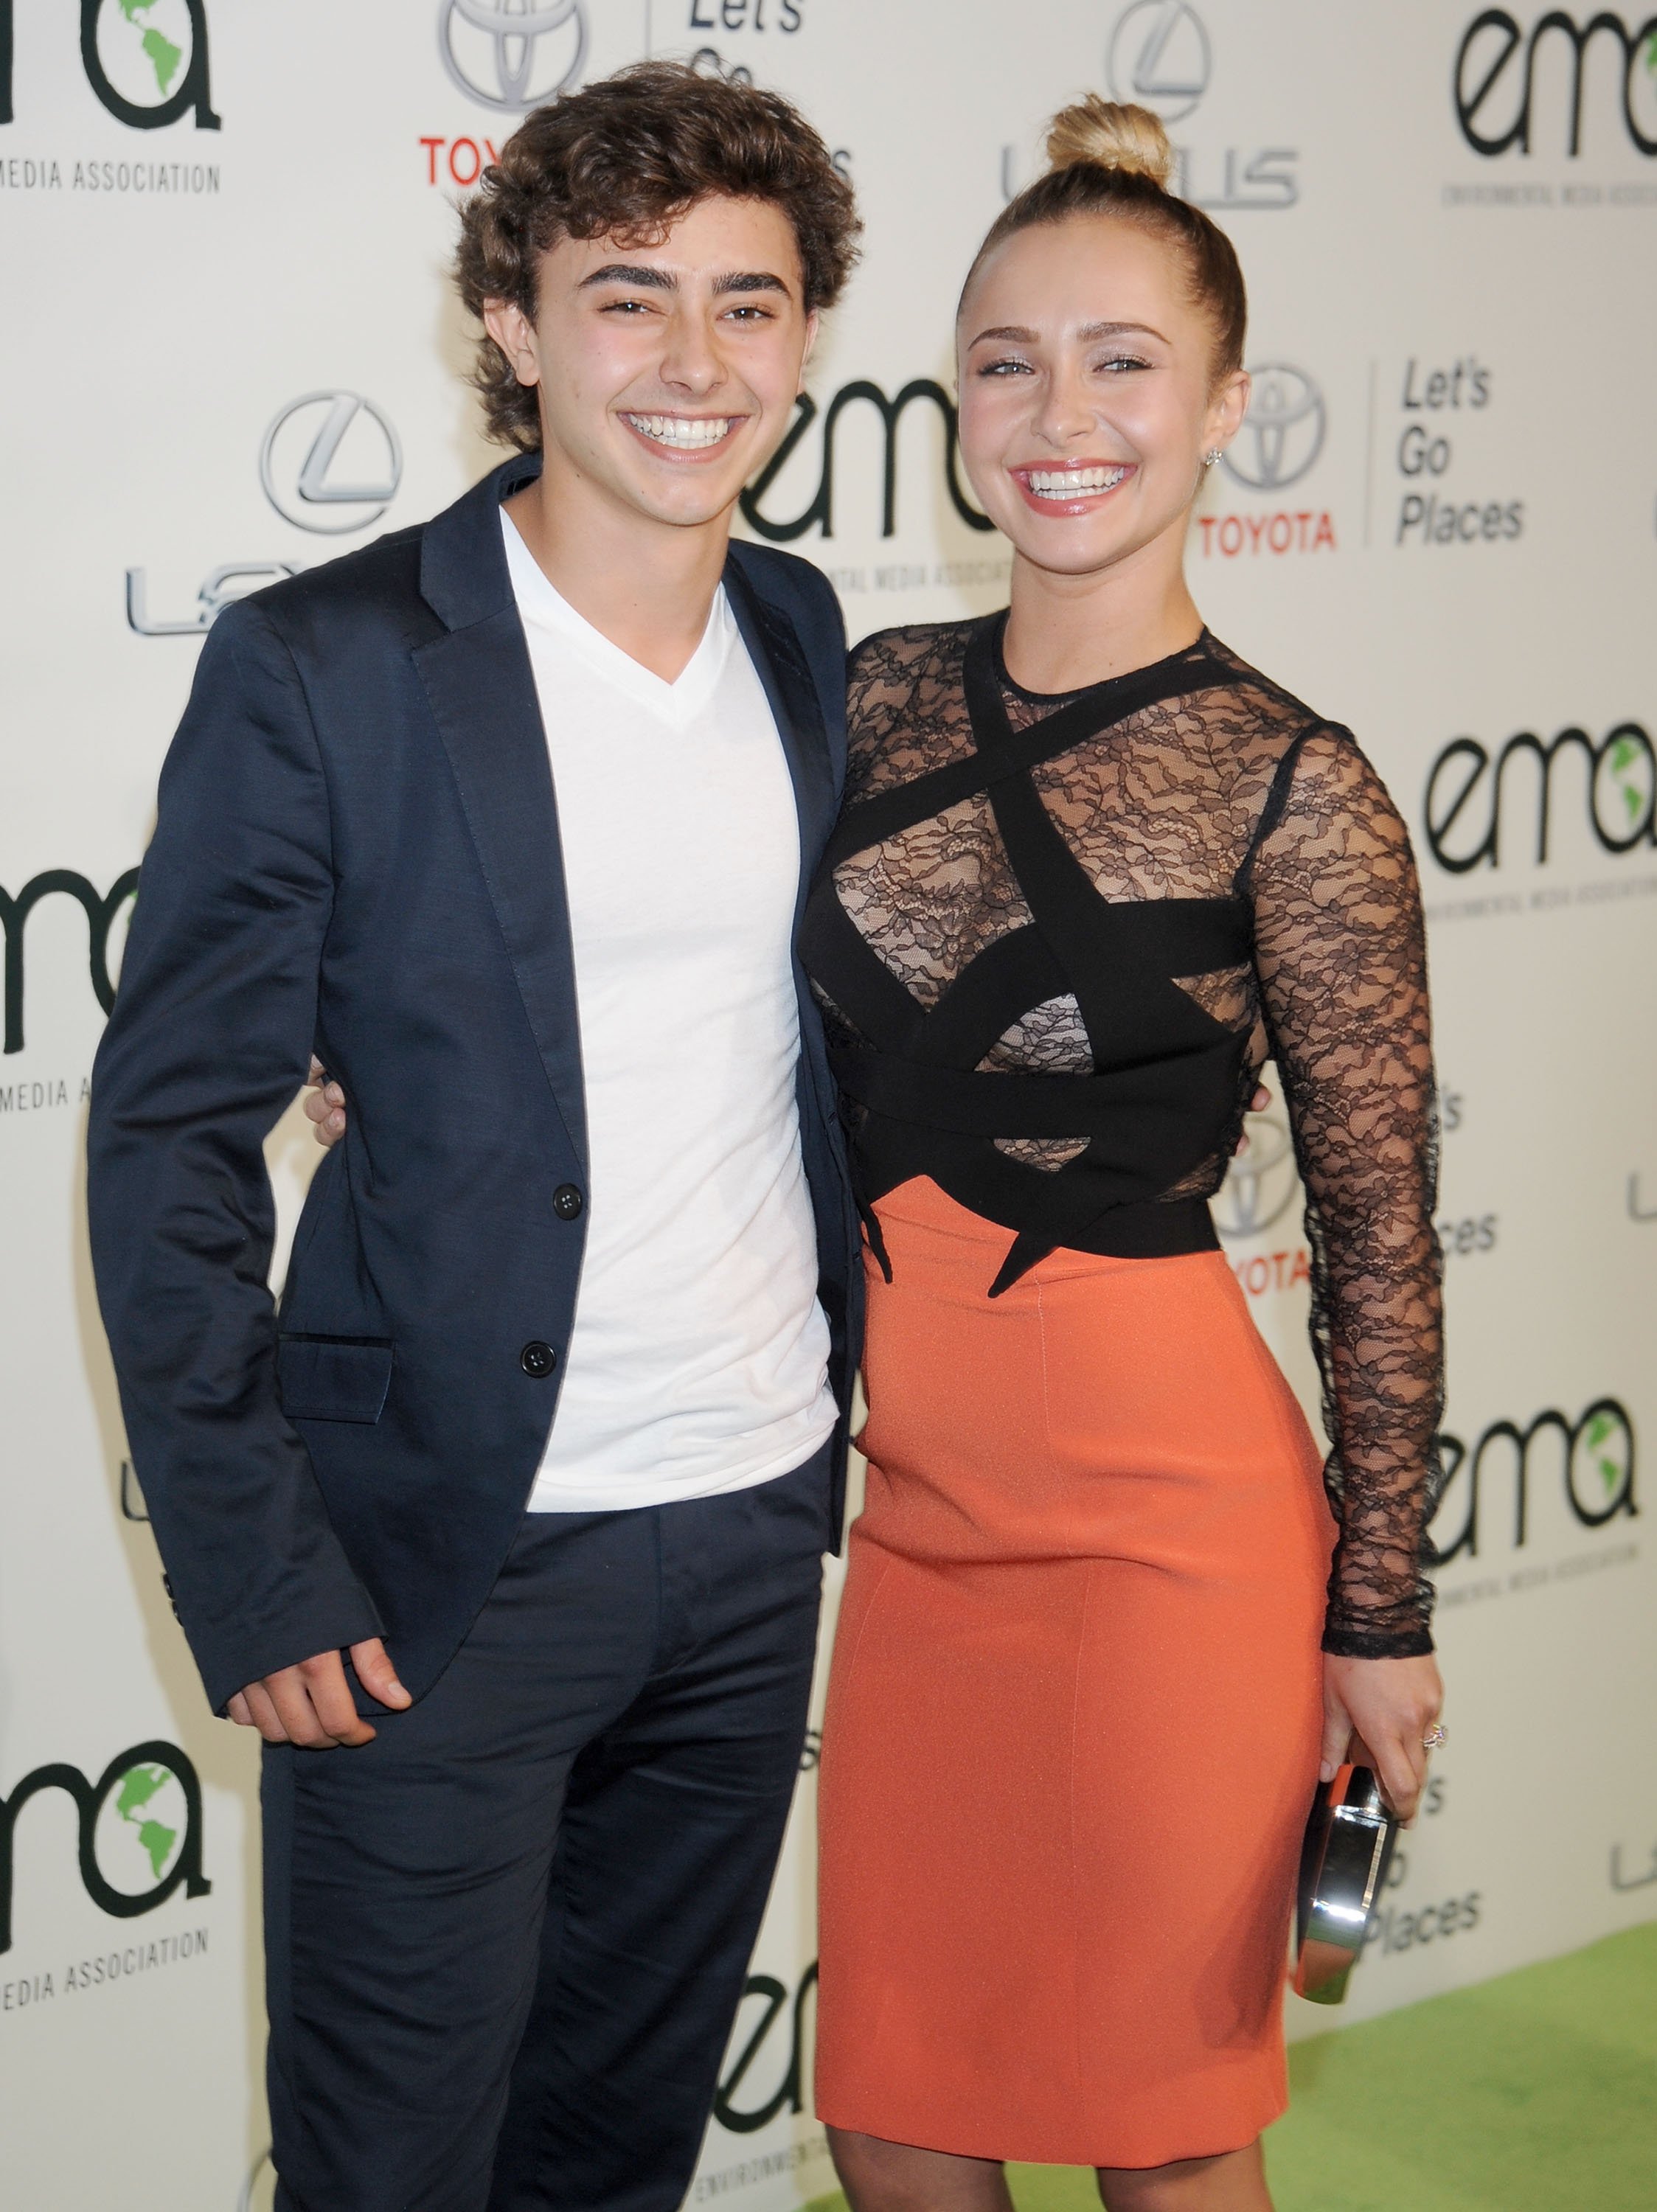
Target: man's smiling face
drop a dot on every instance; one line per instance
(667, 373)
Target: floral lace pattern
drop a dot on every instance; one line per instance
(1225, 790)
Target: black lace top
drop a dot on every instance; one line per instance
(1056, 938)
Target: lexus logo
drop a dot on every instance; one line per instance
(1283, 432)
(311, 482)
(512, 54)
(1159, 56)
(1262, 1182)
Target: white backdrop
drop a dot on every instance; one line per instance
(225, 224)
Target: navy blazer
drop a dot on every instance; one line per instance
(356, 854)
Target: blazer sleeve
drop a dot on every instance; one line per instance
(210, 1038)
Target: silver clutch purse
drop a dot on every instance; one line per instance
(1343, 1861)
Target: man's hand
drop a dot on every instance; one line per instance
(1257, 1104)
(326, 1106)
(310, 1704)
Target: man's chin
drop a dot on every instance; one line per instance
(693, 505)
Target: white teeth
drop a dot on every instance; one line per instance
(1071, 483)
(686, 433)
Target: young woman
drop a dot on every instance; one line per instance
(1093, 870)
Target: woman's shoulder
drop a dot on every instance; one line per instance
(1259, 720)
(908, 653)
(1260, 694)
(1294, 768)
(906, 703)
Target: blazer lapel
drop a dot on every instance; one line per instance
(798, 712)
(481, 690)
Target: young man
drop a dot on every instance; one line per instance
(508, 818)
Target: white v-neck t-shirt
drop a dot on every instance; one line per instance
(698, 1359)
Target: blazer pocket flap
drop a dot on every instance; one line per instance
(333, 1379)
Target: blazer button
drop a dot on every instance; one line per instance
(567, 1201)
(537, 1360)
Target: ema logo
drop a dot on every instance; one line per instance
(790, 2017)
(302, 447)
(1495, 76)
(820, 509)
(101, 912)
(1283, 433)
(1158, 58)
(145, 59)
(140, 1831)
(512, 54)
(1595, 1455)
(1619, 788)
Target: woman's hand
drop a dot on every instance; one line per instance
(1388, 1706)
(326, 1105)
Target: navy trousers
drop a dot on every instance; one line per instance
(505, 1942)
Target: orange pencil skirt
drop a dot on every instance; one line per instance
(1073, 1714)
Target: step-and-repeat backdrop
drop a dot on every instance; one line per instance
(231, 354)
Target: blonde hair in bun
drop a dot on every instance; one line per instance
(1110, 158)
(1113, 135)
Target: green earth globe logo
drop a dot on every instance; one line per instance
(1643, 90)
(141, 1828)
(1611, 1450)
(1625, 784)
(145, 47)
(1599, 1464)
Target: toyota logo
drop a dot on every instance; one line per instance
(492, 49)
(308, 479)
(1283, 432)
(1159, 56)
(1261, 1185)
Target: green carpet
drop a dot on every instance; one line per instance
(1535, 2092)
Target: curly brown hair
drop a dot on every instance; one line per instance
(624, 158)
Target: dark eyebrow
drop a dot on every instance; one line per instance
(626, 272)
(647, 278)
(751, 280)
(1009, 334)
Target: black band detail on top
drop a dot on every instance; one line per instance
(971, 1102)
(1003, 753)
(1165, 1083)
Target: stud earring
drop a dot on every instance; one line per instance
(1211, 458)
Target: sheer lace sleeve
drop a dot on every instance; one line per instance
(1342, 960)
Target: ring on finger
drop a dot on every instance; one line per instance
(1435, 1735)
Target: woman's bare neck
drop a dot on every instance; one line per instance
(1064, 632)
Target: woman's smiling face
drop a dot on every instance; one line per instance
(1088, 390)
